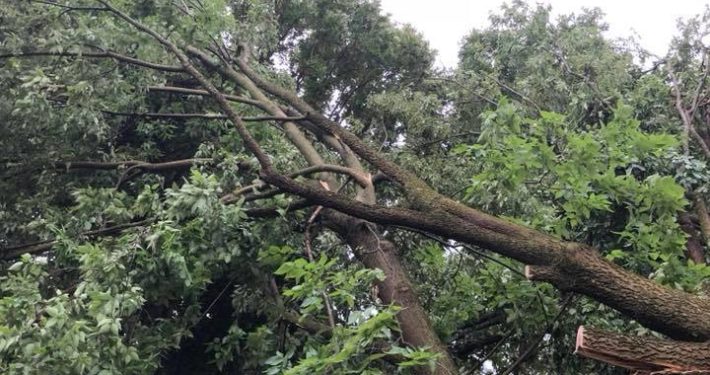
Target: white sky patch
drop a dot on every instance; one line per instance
(444, 23)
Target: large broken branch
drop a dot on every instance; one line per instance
(644, 354)
(569, 266)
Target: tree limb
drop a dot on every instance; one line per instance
(105, 54)
(186, 91)
(648, 354)
(202, 116)
(42, 246)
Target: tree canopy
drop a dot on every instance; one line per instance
(292, 186)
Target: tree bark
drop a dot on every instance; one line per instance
(694, 244)
(569, 266)
(373, 251)
(644, 354)
(673, 312)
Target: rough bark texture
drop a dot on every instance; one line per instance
(694, 245)
(645, 354)
(569, 266)
(576, 267)
(675, 313)
(377, 252)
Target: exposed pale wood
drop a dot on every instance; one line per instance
(642, 353)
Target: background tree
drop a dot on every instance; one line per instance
(221, 186)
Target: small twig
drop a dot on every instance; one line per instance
(491, 352)
(307, 232)
(535, 344)
(515, 92)
(424, 144)
(309, 254)
(699, 88)
(467, 247)
(688, 128)
(215, 300)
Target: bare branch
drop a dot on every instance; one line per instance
(699, 88)
(362, 180)
(685, 115)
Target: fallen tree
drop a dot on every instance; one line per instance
(335, 156)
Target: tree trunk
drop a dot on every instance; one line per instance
(376, 252)
(694, 245)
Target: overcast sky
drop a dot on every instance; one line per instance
(445, 22)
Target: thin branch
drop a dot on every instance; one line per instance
(186, 91)
(103, 165)
(290, 129)
(698, 89)
(490, 353)
(137, 169)
(105, 54)
(548, 329)
(467, 247)
(268, 212)
(362, 180)
(307, 324)
(217, 116)
(688, 128)
(682, 112)
(309, 254)
(232, 197)
(515, 92)
(42, 246)
(68, 7)
(265, 195)
(214, 302)
(439, 140)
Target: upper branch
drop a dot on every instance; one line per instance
(249, 141)
(42, 246)
(104, 54)
(186, 91)
(209, 116)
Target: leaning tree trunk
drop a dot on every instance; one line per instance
(377, 252)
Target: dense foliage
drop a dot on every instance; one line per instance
(138, 235)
